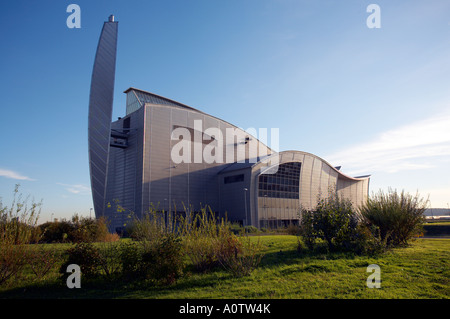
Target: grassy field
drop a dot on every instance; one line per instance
(419, 271)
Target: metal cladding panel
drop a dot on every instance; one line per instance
(124, 182)
(210, 180)
(235, 196)
(159, 158)
(197, 193)
(100, 113)
(315, 180)
(306, 199)
(324, 179)
(179, 179)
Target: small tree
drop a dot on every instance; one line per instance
(397, 216)
(333, 217)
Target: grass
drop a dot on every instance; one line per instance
(421, 270)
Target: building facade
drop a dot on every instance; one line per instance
(175, 158)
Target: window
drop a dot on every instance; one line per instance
(233, 179)
(283, 184)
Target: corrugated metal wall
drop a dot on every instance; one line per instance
(100, 112)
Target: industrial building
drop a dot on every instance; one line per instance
(174, 157)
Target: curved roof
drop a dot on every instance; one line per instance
(148, 97)
(238, 166)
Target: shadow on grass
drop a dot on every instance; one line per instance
(102, 288)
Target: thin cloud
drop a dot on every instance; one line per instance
(410, 147)
(14, 175)
(76, 188)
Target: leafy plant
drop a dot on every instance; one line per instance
(398, 217)
(332, 220)
(87, 257)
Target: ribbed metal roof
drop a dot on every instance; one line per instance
(148, 97)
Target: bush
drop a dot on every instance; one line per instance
(332, 220)
(398, 217)
(41, 260)
(307, 231)
(87, 257)
(56, 231)
(110, 258)
(160, 260)
(293, 229)
(240, 255)
(164, 258)
(200, 234)
(250, 229)
(210, 242)
(17, 230)
(78, 229)
(133, 266)
(341, 227)
(86, 229)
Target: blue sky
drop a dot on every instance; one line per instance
(375, 101)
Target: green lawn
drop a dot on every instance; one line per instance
(419, 271)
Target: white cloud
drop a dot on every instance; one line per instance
(76, 189)
(14, 175)
(410, 147)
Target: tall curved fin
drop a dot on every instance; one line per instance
(100, 112)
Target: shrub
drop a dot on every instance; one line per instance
(12, 260)
(87, 257)
(366, 240)
(78, 229)
(160, 260)
(241, 255)
(293, 229)
(164, 258)
(250, 229)
(41, 260)
(397, 216)
(56, 231)
(110, 258)
(209, 241)
(86, 229)
(152, 225)
(307, 231)
(332, 220)
(133, 266)
(200, 238)
(17, 230)
(335, 221)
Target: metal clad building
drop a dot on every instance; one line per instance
(156, 158)
(100, 111)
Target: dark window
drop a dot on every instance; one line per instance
(283, 184)
(234, 179)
